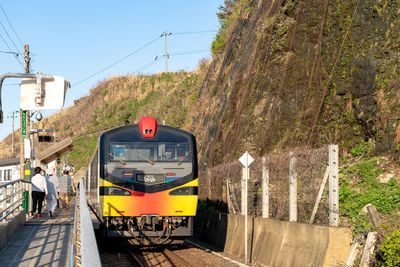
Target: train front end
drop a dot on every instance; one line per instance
(148, 186)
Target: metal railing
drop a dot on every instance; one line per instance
(84, 251)
(11, 198)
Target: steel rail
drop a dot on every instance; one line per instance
(10, 196)
(136, 259)
(181, 262)
(16, 189)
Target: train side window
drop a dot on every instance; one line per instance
(118, 152)
(1, 175)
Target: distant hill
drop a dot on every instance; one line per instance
(168, 97)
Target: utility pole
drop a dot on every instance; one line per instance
(24, 119)
(166, 54)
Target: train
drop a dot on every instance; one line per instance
(142, 182)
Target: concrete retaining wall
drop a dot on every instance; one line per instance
(275, 243)
(9, 228)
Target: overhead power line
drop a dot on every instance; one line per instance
(189, 52)
(194, 32)
(14, 53)
(4, 40)
(116, 62)
(158, 58)
(9, 22)
(9, 37)
(154, 61)
(10, 51)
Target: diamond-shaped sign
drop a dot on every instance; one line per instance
(246, 159)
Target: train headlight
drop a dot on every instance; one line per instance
(113, 191)
(185, 191)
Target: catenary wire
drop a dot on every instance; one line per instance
(116, 62)
(9, 37)
(9, 22)
(10, 52)
(4, 40)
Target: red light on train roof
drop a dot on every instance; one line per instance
(148, 127)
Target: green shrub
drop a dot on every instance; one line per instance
(366, 189)
(362, 149)
(391, 249)
(219, 43)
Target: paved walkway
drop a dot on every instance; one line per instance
(42, 241)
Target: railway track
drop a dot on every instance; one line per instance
(122, 253)
(157, 256)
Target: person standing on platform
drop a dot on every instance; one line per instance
(65, 184)
(52, 187)
(39, 191)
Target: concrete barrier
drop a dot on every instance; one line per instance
(9, 228)
(234, 244)
(278, 243)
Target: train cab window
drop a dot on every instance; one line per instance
(118, 152)
(153, 151)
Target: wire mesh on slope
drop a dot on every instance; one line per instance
(310, 167)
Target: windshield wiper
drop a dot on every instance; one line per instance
(120, 160)
(146, 159)
(182, 159)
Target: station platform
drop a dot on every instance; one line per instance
(42, 241)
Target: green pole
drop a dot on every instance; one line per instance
(28, 171)
(25, 201)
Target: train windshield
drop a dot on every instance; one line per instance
(150, 152)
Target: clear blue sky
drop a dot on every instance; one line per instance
(76, 39)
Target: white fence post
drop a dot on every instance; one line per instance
(333, 185)
(292, 189)
(265, 191)
(243, 198)
(368, 249)
(244, 207)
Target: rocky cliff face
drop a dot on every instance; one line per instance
(287, 73)
(302, 73)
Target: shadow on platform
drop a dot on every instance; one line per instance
(42, 241)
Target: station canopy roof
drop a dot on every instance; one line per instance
(55, 151)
